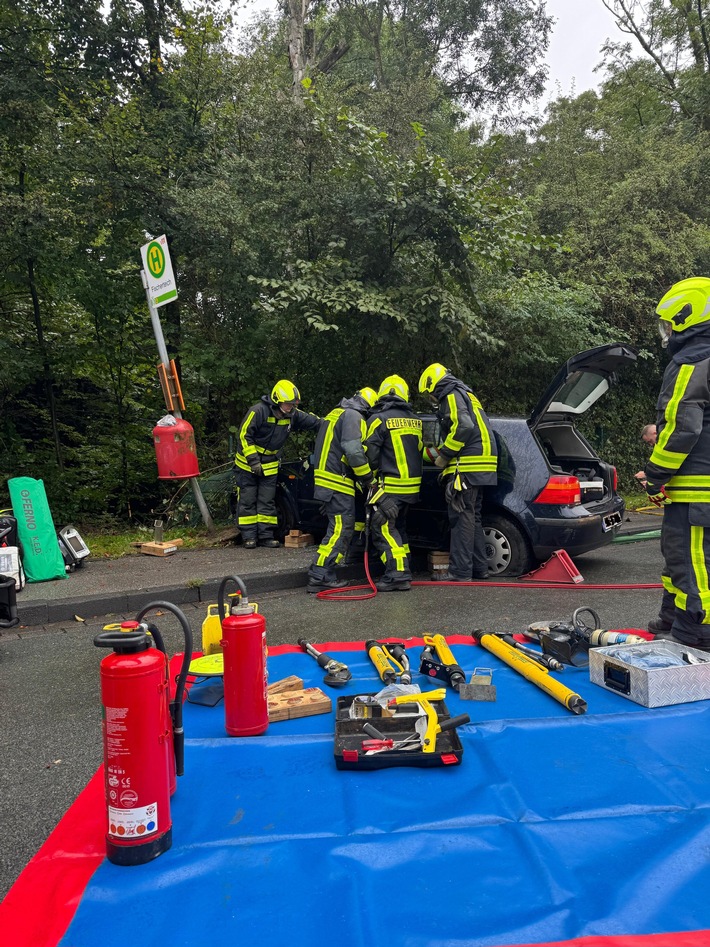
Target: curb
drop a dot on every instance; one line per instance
(129, 603)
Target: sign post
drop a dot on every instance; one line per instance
(160, 289)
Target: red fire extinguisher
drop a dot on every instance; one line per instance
(246, 708)
(142, 736)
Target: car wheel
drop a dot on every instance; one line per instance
(507, 548)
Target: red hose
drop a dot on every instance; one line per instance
(344, 595)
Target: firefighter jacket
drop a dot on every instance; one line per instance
(263, 433)
(340, 454)
(394, 447)
(467, 441)
(681, 458)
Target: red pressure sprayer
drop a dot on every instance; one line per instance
(246, 708)
(142, 736)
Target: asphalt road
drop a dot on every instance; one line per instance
(50, 731)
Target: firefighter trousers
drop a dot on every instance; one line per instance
(467, 547)
(685, 542)
(340, 510)
(256, 510)
(390, 541)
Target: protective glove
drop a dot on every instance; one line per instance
(384, 511)
(657, 495)
(441, 461)
(456, 498)
(256, 467)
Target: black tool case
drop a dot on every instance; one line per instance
(349, 736)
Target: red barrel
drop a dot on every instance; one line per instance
(137, 736)
(175, 450)
(246, 707)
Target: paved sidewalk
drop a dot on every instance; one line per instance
(123, 586)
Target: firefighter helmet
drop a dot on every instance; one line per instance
(394, 385)
(430, 378)
(685, 305)
(285, 391)
(369, 395)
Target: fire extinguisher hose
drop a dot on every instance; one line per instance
(176, 703)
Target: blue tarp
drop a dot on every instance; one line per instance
(553, 827)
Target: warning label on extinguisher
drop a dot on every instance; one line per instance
(133, 823)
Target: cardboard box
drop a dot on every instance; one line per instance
(161, 549)
(651, 687)
(296, 539)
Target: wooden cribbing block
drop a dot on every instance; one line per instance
(304, 703)
(296, 539)
(291, 683)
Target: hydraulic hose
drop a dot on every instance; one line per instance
(638, 537)
(176, 703)
(342, 595)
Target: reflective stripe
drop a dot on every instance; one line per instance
(247, 520)
(398, 553)
(325, 549)
(690, 480)
(688, 496)
(700, 569)
(272, 520)
(269, 468)
(247, 448)
(485, 435)
(362, 470)
(451, 441)
(681, 599)
(337, 482)
(373, 427)
(409, 487)
(660, 456)
(472, 465)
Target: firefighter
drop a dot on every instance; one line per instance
(394, 449)
(678, 472)
(262, 435)
(341, 467)
(468, 458)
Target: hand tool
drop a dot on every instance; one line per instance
(432, 726)
(390, 659)
(444, 665)
(338, 674)
(532, 671)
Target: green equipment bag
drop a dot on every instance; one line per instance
(41, 556)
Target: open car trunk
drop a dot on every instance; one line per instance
(569, 453)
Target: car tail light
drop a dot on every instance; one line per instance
(615, 478)
(561, 490)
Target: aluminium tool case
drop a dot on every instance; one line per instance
(349, 736)
(652, 687)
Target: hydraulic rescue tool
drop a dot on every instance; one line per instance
(545, 660)
(438, 661)
(246, 706)
(337, 673)
(143, 736)
(428, 729)
(390, 659)
(570, 641)
(531, 670)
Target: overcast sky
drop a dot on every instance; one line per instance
(581, 29)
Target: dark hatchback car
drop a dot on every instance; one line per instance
(553, 491)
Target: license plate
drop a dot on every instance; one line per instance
(610, 521)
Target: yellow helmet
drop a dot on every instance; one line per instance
(394, 385)
(430, 378)
(686, 304)
(285, 391)
(368, 394)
